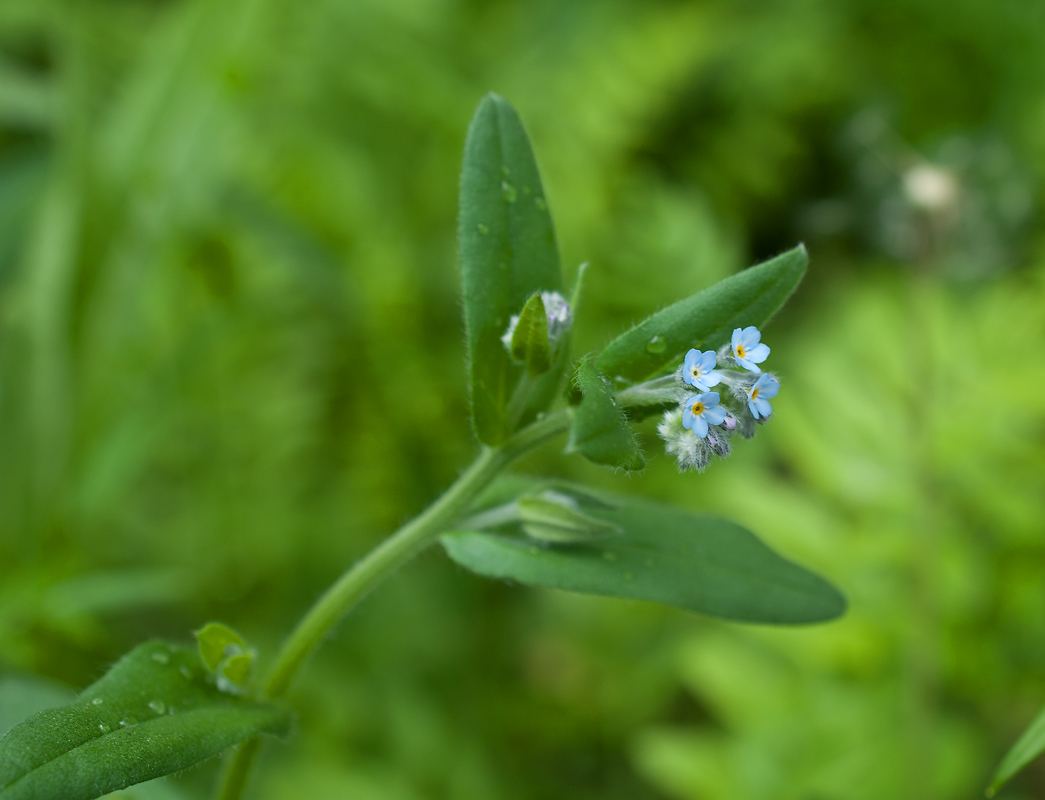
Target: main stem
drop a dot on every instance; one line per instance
(377, 565)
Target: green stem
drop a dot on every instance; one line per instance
(378, 564)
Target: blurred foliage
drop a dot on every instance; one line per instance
(227, 262)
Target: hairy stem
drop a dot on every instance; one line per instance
(377, 565)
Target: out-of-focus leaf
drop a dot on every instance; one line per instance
(508, 252)
(117, 590)
(1027, 748)
(155, 712)
(704, 320)
(600, 430)
(22, 695)
(691, 561)
(530, 345)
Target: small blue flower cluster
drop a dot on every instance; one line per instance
(702, 425)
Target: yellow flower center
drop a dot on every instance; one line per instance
(740, 351)
(698, 408)
(754, 394)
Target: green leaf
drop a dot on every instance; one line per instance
(1029, 746)
(530, 345)
(218, 642)
(600, 431)
(704, 320)
(667, 555)
(157, 711)
(508, 252)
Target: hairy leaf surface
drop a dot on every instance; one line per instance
(600, 431)
(667, 555)
(508, 252)
(155, 712)
(704, 320)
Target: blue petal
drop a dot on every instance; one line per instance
(715, 415)
(770, 389)
(687, 412)
(748, 365)
(710, 399)
(707, 360)
(763, 407)
(749, 337)
(712, 379)
(700, 426)
(753, 408)
(735, 340)
(758, 353)
(691, 356)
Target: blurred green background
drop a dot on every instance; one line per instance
(231, 360)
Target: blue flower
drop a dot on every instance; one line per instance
(702, 410)
(746, 348)
(698, 370)
(758, 396)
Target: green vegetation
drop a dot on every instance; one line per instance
(231, 363)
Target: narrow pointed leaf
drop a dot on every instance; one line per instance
(157, 711)
(530, 346)
(508, 252)
(667, 555)
(600, 431)
(704, 320)
(1027, 748)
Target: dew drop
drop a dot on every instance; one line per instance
(482, 229)
(539, 202)
(103, 728)
(158, 706)
(161, 658)
(656, 345)
(124, 723)
(509, 192)
(97, 701)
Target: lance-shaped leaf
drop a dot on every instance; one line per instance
(1027, 748)
(691, 561)
(157, 711)
(530, 346)
(704, 320)
(600, 431)
(508, 252)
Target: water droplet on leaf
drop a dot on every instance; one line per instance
(510, 194)
(97, 701)
(103, 728)
(158, 706)
(656, 345)
(161, 658)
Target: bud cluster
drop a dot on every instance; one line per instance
(702, 425)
